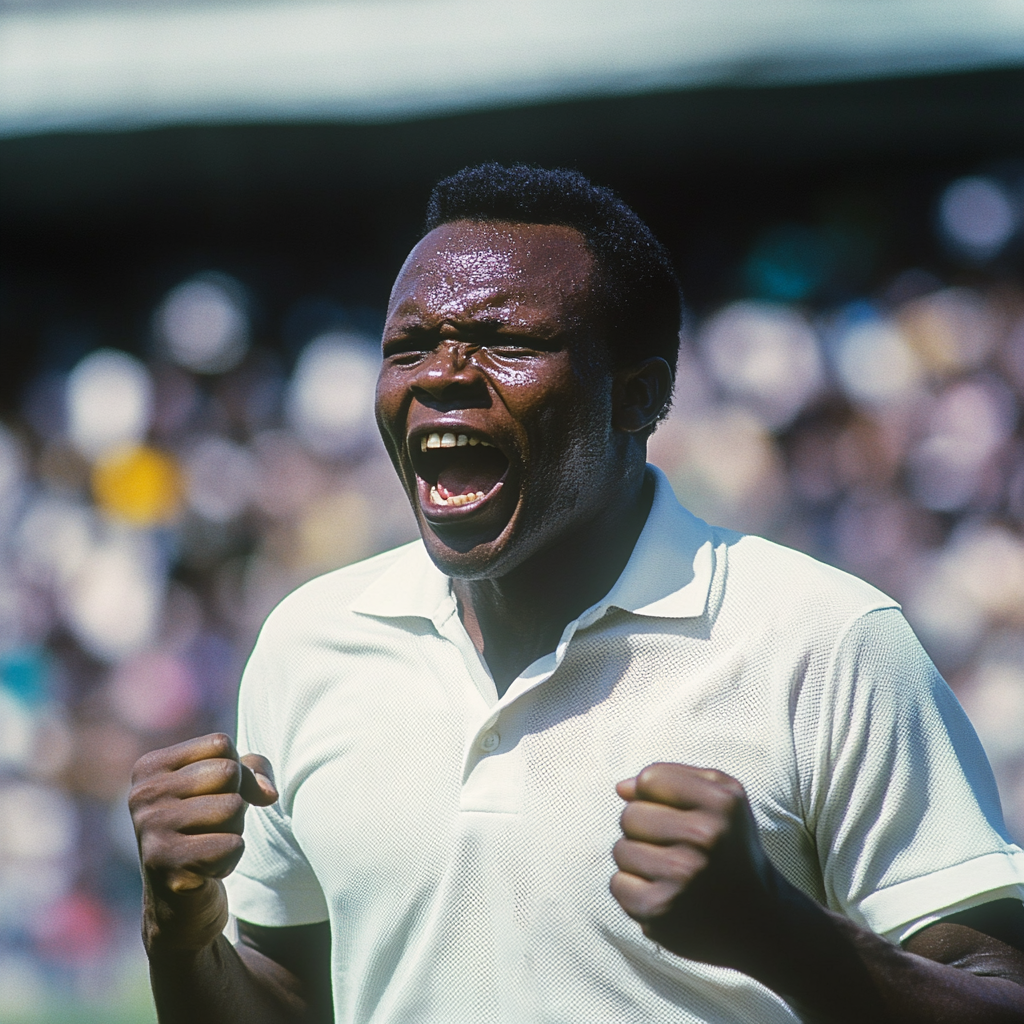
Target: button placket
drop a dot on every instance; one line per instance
(493, 775)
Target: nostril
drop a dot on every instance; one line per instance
(451, 387)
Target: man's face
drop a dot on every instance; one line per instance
(494, 398)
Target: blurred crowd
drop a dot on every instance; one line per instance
(153, 510)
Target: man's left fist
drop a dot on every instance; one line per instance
(691, 868)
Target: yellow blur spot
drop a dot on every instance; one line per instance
(140, 485)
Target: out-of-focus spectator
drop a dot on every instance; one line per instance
(153, 511)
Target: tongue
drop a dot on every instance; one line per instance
(471, 472)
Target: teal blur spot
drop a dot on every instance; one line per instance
(789, 263)
(23, 673)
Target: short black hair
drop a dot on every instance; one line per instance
(639, 292)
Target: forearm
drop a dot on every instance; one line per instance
(222, 984)
(835, 972)
(199, 977)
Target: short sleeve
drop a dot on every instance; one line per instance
(274, 884)
(903, 805)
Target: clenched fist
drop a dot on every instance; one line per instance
(188, 806)
(691, 868)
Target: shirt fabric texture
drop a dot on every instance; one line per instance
(460, 844)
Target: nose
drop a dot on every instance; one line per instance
(450, 372)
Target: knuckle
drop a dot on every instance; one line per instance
(234, 844)
(649, 775)
(233, 804)
(686, 863)
(149, 816)
(156, 853)
(731, 789)
(227, 771)
(136, 800)
(158, 819)
(146, 765)
(142, 819)
(221, 743)
(706, 830)
(146, 791)
(228, 861)
(732, 805)
(633, 814)
(212, 850)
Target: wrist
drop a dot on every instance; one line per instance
(812, 957)
(178, 925)
(778, 922)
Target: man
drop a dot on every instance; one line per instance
(577, 756)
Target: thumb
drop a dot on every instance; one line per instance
(626, 788)
(257, 786)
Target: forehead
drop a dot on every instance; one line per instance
(465, 266)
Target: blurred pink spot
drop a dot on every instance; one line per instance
(154, 691)
(75, 929)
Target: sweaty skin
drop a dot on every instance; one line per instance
(490, 331)
(492, 334)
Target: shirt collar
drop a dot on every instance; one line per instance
(411, 587)
(668, 575)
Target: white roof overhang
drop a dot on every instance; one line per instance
(121, 67)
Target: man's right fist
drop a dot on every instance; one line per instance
(188, 806)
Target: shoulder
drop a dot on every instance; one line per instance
(323, 605)
(315, 639)
(778, 586)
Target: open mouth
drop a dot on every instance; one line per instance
(457, 469)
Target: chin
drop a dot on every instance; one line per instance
(469, 555)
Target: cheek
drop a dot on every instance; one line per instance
(388, 404)
(545, 389)
(516, 380)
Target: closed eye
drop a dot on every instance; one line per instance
(409, 346)
(413, 343)
(511, 351)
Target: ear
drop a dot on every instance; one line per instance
(639, 393)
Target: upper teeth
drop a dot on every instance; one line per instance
(448, 440)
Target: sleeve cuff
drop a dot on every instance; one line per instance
(900, 910)
(274, 908)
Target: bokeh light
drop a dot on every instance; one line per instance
(203, 324)
(726, 465)
(222, 478)
(951, 330)
(978, 216)
(12, 469)
(112, 602)
(875, 362)
(330, 398)
(765, 356)
(966, 427)
(139, 485)
(109, 402)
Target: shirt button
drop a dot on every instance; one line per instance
(489, 741)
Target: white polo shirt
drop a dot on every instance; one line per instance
(460, 845)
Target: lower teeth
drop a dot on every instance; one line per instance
(455, 499)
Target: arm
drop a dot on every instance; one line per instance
(188, 805)
(693, 874)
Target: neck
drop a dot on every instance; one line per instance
(517, 618)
